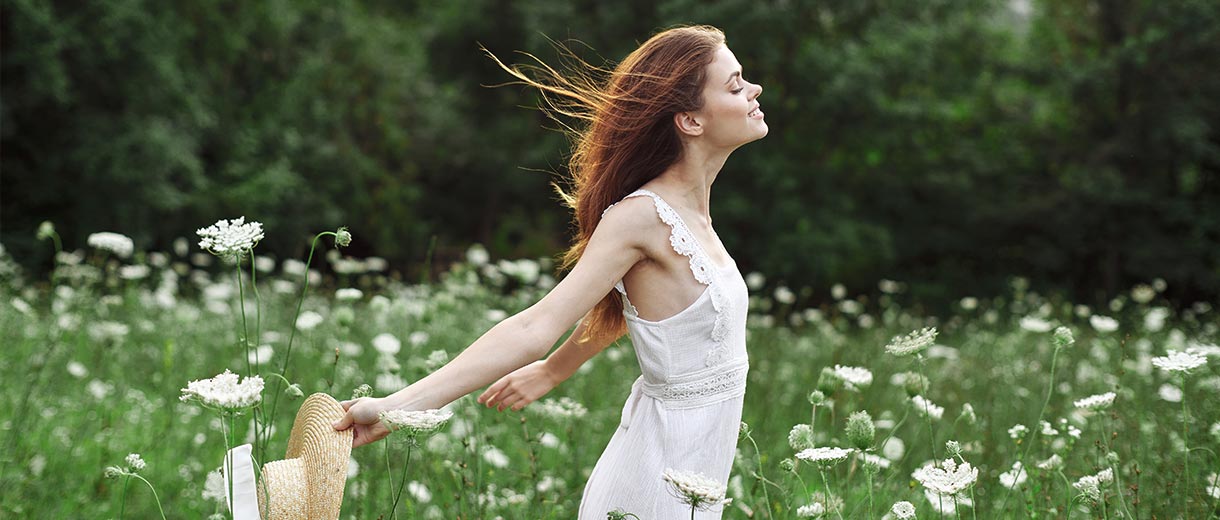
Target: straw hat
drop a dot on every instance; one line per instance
(308, 483)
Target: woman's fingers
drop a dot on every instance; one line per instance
(345, 422)
(494, 389)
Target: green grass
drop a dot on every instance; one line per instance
(62, 429)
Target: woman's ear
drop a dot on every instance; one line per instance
(688, 124)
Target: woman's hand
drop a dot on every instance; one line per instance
(520, 387)
(364, 417)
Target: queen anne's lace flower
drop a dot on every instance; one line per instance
(1096, 402)
(135, 462)
(814, 510)
(1179, 361)
(230, 239)
(224, 392)
(562, 408)
(911, 343)
(854, 376)
(1014, 477)
(824, 456)
(926, 407)
(1103, 323)
(949, 479)
(1090, 485)
(903, 510)
(695, 489)
(415, 423)
(1053, 463)
(120, 245)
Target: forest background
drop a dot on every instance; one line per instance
(944, 144)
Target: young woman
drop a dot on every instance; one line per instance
(654, 140)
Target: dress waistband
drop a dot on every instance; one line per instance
(701, 388)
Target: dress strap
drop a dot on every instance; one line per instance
(684, 243)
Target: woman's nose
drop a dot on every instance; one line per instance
(759, 90)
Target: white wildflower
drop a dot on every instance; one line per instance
(695, 489)
(308, 320)
(903, 510)
(911, 343)
(1103, 323)
(824, 456)
(784, 295)
(562, 408)
(814, 510)
(838, 292)
(120, 245)
(495, 457)
(1053, 463)
(1090, 485)
(854, 376)
(949, 479)
(1017, 431)
(224, 392)
(1036, 324)
(387, 344)
(230, 239)
(1179, 361)
(1169, 393)
(415, 422)
(926, 407)
(477, 255)
(1015, 477)
(135, 462)
(348, 294)
(801, 437)
(1096, 402)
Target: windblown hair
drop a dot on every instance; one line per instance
(623, 135)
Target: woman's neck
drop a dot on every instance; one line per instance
(688, 182)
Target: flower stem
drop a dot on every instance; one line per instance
(403, 482)
(766, 495)
(827, 484)
(1185, 451)
(931, 434)
(1050, 385)
(155, 497)
(293, 334)
(123, 497)
(869, 476)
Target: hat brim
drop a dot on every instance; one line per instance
(323, 454)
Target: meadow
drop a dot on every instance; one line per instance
(1004, 411)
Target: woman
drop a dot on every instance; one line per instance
(656, 137)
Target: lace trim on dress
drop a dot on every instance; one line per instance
(684, 243)
(720, 385)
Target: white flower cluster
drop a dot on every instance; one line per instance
(814, 510)
(1017, 431)
(1096, 402)
(562, 408)
(1179, 361)
(948, 479)
(695, 489)
(1053, 463)
(415, 422)
(926, 407)
(903, 510)
(1103, 323)
(854, 376)
(824, 456)
(911, 343)
(120, 245)
(1015, 477)
(801, 437)
(230, 238)
(225, 392)
(1090, 485)
(135, 462)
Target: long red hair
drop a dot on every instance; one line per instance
(623, 133)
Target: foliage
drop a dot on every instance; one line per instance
(949, 142)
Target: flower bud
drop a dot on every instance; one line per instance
(860, 430)
(817, 398)
(954, 448)
(362, 391)
(343, 238)
(743, 431)
(787, 465)
(294, 391)
(1063, 337)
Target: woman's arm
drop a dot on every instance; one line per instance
(529, 383)
(615, 246)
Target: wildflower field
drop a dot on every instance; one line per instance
(1021, 405)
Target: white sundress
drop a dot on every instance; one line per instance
(684, 411)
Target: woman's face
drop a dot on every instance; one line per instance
(731, 115)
